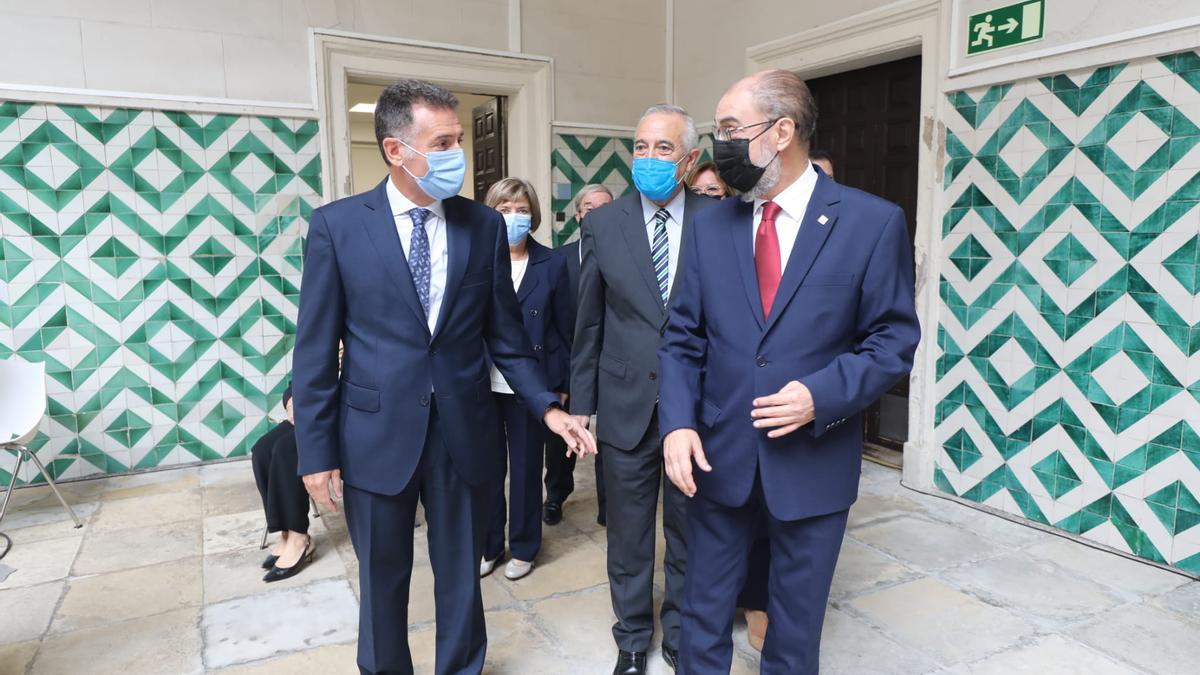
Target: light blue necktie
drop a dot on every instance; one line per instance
(418, 256)
(661, 253)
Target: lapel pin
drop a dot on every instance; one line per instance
(822, 220)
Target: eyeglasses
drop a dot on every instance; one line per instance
(727, 134)
(710, 191)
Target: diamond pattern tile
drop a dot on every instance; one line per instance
(152, 260)
(1068, 392)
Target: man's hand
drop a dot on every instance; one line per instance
(680, 447)
(785, 411)
(290, 413)
(585, 421)
(323, 487)
(579, 441)
(562, 399)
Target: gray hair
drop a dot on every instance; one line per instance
(394, 109)
(691, 138)
(780, 94)
(587, 190)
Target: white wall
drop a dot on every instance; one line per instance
(610, 55)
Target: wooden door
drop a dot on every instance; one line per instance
(489, 144)
(869, 121)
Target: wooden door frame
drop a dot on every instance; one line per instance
(527, 82)
(892, 32)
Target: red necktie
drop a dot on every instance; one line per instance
(766, 257)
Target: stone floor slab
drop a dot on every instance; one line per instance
(27, 611)
(941, 621)
(15, 658)
(151, 483)
(279, 622)
(227, 498)
(329, 660)
(166, 643)
(1037, 587)
(562, 566)
(233, 531)
(137, 547)
(861, 569)
(237, 574)
(925, 544)
(1150, 638)
(147, 511)
(41, 561)
(1121, 574)
(1051, 654)
(40, 524)
(851, 646)
(119, 596)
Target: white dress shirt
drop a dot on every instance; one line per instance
(793, 202)
(499, 384)
(439, 250)
(674, 230)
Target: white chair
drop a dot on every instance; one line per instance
(22, 405)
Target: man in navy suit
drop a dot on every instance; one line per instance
(795, 312)
(416, 281)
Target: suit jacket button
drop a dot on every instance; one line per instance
(761, 361)
(533, 312)
(654, 376)
(537, 348)
(424, 401)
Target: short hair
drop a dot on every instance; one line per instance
(708, 166)
(781, 93)
(691, 138)
(394, 109)
(817, 154)
(512, 189)
(587, 190)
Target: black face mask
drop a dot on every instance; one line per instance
(732, 158)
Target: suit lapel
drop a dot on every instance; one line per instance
(742, 234)
(812, 236)
(458, 243)
(381, 228)
(538, 254)
(633, 227)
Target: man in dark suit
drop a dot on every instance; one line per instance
(630, 253)
(416, 281)
(803, 316)
(560, 465)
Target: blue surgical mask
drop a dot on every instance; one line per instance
(655, 178)
(518, 226)
(444, 177)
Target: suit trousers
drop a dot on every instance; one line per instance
(381, 529)
(560, 473)
(632, 479)
(804, 554)
(522, 437)
(285, 501)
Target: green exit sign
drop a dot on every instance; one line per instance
(1006, 26)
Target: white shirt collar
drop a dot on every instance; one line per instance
(795, 197)
(673, 207)
(402, 205)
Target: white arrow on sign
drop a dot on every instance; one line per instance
(1010, 25)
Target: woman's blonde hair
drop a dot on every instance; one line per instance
(512, 189)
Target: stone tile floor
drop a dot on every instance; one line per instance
(164, 578)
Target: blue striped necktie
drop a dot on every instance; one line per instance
(661, 253)
(419, 262)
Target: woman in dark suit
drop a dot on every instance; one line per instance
(540, 280)
(284, 498)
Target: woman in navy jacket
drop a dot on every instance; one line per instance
(540, 280)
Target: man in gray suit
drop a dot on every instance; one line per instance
(630, 252)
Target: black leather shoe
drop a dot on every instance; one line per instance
(671, 657)
(552, 513)
(630, 663)
(280, 573)
(270, 562)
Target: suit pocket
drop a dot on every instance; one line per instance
(477, 278)
(828, 280)
(614, 367)
(709, 414)
(365, 399)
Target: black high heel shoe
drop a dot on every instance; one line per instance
(270, 562)
(280, 573)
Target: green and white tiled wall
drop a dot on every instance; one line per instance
(1069, 334)
(152, 260)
